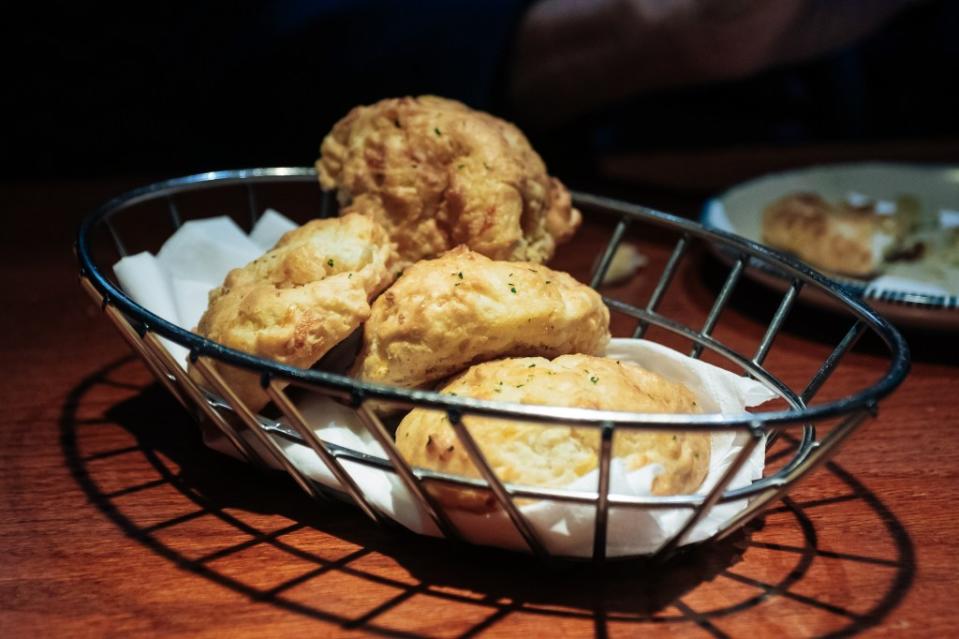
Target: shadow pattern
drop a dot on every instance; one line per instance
(494, 584)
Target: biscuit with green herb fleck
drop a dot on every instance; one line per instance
(437, 174)
(444, 315)
(550, 455)
(298, 300)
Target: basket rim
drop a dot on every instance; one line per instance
(358, 391)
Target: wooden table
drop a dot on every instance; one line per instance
(114, 520)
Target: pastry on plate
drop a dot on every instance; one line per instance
(552, 455)
(437, 174)
(298, 300)
(445, 314)
(839, 238)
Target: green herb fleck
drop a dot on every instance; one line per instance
(531, 366)
(548, 281)
(512, 290)
(457, 284)
(437, 131)
(459, 167)
(594, 379)
(520, 385)
(460, 274)
(350, 276)
(487, 166)
(674, 438)
(330, 262)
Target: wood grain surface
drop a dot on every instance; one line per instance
(115, 521)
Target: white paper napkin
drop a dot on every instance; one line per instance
(175, 283)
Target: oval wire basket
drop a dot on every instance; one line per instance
(220, 406)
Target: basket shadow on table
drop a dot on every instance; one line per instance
(500, 583)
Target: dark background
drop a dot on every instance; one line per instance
(95, 91)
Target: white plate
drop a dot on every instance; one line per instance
(739, 210)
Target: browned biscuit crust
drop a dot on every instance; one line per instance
(445, 314)
(299, 299)
(438, 174)
(555, 455)
(837, 238)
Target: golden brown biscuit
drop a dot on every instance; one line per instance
(437, 174)
(299, 299)
(547, 455)
(443, 315)
(838, 238)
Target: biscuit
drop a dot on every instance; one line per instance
(839, 238)
(437, 174)
(446, 314)
(551, 455)
(298, 300)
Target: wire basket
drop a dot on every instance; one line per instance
(151, 209)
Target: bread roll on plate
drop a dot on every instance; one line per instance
(839, 238)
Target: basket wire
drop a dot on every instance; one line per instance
(220, 406)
